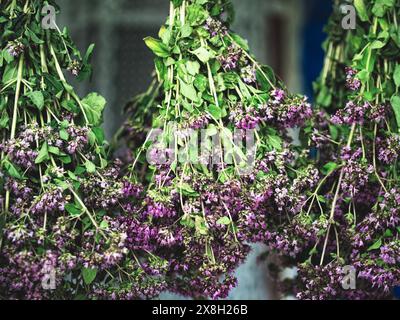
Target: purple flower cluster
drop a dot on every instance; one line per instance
(215, 27)
(200, 122)
(283, 112)
(245, 118)
(248, 74)
(78, 139)
(158, 210)
(50, 202)
(231, 58)
(358, 113)
(352, 83)
(389, 149)
(353, 113)
(356, 175)
(15, 48)
(326, 283)
(23, 151)
(24, 275)
(286, 112)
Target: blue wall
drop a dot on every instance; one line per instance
(316, 16)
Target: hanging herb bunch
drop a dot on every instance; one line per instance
(66, 213)
(357, 201)
(214, 209)
(331, 88)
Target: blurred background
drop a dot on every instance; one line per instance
(285, 34)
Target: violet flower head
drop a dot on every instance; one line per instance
(248, 74)
(215, 27)
(352, 83)
(278, 95)
(230, 59)
(15, 48)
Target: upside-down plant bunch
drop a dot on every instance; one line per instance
(213, 205)
(69, 222)
(355, 209)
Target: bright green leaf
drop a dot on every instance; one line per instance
(226, 221)
(43, 154)
(159, 48)
(377, 245)
(94, 105)
(89, 275)
(37, 99)
(396, 76)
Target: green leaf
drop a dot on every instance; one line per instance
(89, 53)
(361, 10)
(275, 142)
(187, 190)
(201, 227)
(225, 221)
(395, 102)
(396, 76)
(334, 132)
(189, 91)
(240, 41)
(55, 150)
(89, 275)
(43, 154)
(9, 73)
(376, 245)
(165, 35)
(70, 105)
(381, 6)
(4, 120)
(33, 37)
(159, 48)
(193, 67)
(177, 3)
(363, 76)
(99, 134)
(324, 97)
(64, 135)
(377, 44)
(201, 82)
(7, 56)
(203, 54)
(94, 105)
(329, 168)
(187, 221)
(186, 31)
(215, 112)
(12, 170)
(73, 210)
(388, 233)
(196, 15)
(104, 225)
(90, 166)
